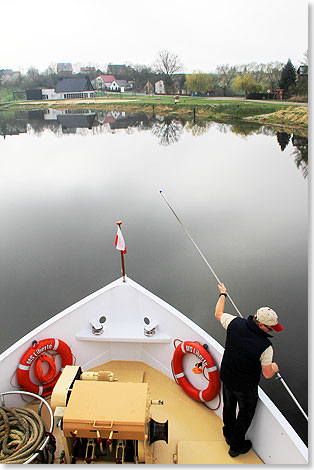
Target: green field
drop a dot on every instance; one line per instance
(219, 110)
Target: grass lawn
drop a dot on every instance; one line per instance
(5, 95)
(219, 110)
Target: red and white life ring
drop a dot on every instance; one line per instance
(189, 347)
(30, 357)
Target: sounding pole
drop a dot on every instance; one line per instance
(204, 259)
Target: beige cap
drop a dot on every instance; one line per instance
(268, 317)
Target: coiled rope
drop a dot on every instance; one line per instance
(38, 369)
(22, 432)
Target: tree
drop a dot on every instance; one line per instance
(288, 76)
(247, 84)
(305, 60)
(257, 71)
(272, 74)
(226, 74)
(168, 63)
(199, 82)
(142, 75)
(33, 78)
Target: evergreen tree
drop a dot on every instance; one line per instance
(288, 76)
(283, 139)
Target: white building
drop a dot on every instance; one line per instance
(120, 85)
(66, 88)
(103, 82)
(160, 87)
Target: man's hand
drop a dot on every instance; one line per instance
(222, 288)
(270, 371)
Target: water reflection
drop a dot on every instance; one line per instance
(168, 131)
(300, 152)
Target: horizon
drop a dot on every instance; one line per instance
(76, 68)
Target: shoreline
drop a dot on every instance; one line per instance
(284, 114)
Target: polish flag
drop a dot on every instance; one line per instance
(119, 241)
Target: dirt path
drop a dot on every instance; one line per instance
(77, 101)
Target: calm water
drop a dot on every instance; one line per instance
(241, 191)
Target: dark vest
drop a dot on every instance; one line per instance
(240, 366)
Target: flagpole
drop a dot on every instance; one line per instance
(119, 223)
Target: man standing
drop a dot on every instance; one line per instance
(248, 353)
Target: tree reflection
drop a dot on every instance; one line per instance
(244, 129)
(168, 131)
(283, 139)
(198, 128)
(300, 153)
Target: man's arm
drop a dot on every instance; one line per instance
(220, 306)
(269, 368)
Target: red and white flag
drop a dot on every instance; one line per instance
(119, 241)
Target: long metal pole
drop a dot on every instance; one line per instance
(292, 396)
(213, 272)
(203, 257)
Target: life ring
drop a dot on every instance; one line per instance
(189, 347)
(32, 354)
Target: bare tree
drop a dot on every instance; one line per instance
(305, 60)
(167, 131)
(272, 74)
(226, 74)
(257, 70)
(168, 63)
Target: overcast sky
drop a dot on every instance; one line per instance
(203, 33)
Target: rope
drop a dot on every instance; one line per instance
(38, 369)
(219, 402)
(22, 432)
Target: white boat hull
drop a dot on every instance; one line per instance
(125, 305)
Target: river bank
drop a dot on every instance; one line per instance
(219, 110)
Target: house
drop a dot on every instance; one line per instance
(103, 82)
(88, 70)
(66, 88)
(77, 87)
(120, 85)
(302, 70)
(160, 87)
(64, 69)
(121, 72)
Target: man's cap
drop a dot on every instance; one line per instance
(268, 317)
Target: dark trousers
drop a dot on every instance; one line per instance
(236, 425)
